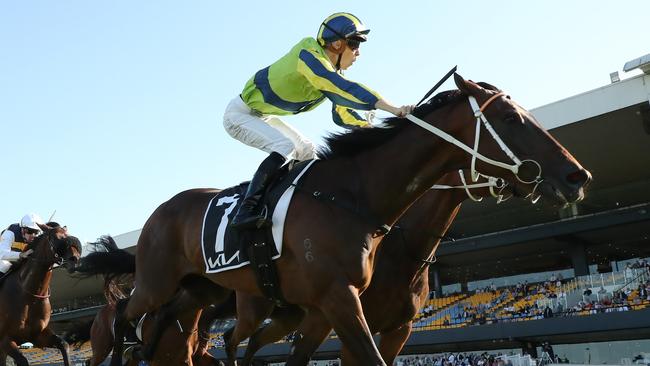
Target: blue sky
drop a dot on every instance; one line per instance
(109, 108)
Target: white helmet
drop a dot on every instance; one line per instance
(31, 221)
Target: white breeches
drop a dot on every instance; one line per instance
(4, 266)
(267, 133)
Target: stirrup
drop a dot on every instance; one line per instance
(135, 353)
(127, 354)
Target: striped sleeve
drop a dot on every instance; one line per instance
(333, 85)
(348, 118)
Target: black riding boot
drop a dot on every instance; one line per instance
(2, 276)
(249, 215)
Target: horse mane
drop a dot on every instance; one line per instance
(357, 140)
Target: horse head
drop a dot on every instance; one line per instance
(55, 246)
(526, 155)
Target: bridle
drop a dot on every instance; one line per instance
(476, 155)
(58, 260)
(495, 185)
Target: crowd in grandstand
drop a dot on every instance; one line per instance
(462, 359)
(525, 301)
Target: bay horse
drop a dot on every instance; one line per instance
(400, 282)
(178, 344)
(329, 249)
(25, 295)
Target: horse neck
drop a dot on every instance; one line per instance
(35, 277)
(427, 221)
(403, 170)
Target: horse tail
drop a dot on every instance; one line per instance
(107, 260)
(79, 333)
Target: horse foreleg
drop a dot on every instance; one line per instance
(101, 335)
(311, 333)
(251, 312)
(392, 342)
(342, 307)
(11, 348)
(284, 321)
(120, 324)
(201, 356)
(47, 338)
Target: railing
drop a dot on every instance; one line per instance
(572, 291)
(638, 276)
(457, 323)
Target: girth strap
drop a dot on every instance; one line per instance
(263, 266)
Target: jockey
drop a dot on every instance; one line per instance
(15, 239)
(296, 83)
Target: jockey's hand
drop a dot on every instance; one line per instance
(397, 111)
(404, 110)
(26, 253)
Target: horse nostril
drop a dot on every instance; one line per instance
(579, 177)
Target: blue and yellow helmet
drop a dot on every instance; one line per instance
(341, 26)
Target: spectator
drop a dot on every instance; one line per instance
(548, 313)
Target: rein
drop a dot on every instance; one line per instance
(492, 183)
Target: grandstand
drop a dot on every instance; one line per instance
(508, 263)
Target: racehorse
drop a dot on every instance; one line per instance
(400, 283)
(178, 344)
(329, 248)
(25, 295)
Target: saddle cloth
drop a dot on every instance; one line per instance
(223, 246)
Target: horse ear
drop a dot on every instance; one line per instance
(44, 227)
(465, 86)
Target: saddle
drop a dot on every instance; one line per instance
(225, 248)
(258, 243)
